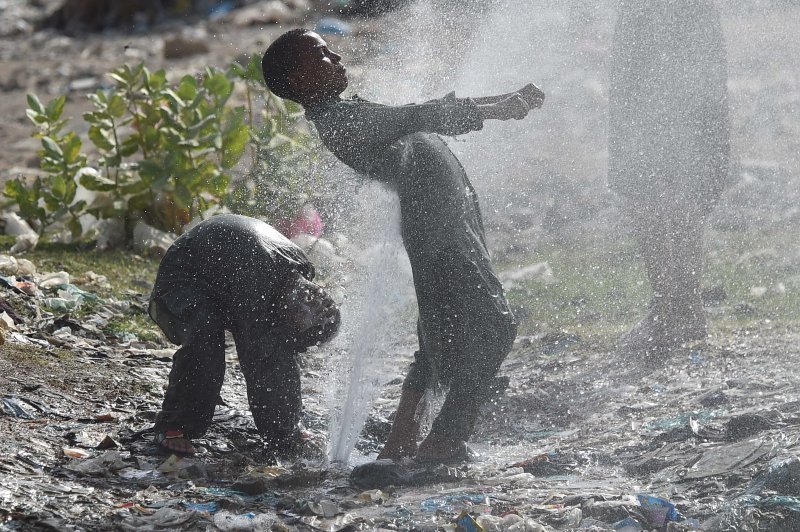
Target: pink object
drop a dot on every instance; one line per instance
(307, 221)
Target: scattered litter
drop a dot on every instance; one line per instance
(332, 26)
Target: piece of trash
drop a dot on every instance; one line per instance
(373, 496)
(141, 474)
(101, 466)
(730, 457)
(454, 503)
(75, 453)
(108, 443)
(26, 287)
(629, 524)
(149, 240)
(8, 264)
(466, 523)
(12, 406)
(53, 279)
(538, 272)
(165, 519)
(658, 511)
(209, 507)
(7, 322)
(332, 26)
(93, 280)
(269, 12)
(324, 508)
(307, 221)
(379, 474)
(14, 225)
(229, 522)
(548, 464)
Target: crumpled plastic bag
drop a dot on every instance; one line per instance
(149, 240)
(101, 466)
(229, 522)
(27, 238)
(164, 519)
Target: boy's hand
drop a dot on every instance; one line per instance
(308, 305)
(532, 95)
(512, 107)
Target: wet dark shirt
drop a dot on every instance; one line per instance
(238, 265)
(668, 109)
(441, 221)
(399, 147)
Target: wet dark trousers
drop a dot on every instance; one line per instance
(465, 332)
(198, 368)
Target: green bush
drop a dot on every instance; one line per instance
(166, 152)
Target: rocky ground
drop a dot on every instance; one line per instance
(581, 432)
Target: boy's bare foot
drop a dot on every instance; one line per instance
(174, 441)
(397, 448)
(443, 450)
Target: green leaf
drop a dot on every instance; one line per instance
(183, 197)
(135, 187)
(74, 226)
(234, 143)
(197, 126)
(175, 102)
(92, 180)
(117, 106)
(35, 117)
(100, 138)
(69, 194)
(72, 147)
(129, 147)
(187, 88)
(55, 107)
(237, 70)
(51, 202)
(120, 79)
(58, 186)
(254, 72)
(218, 85)
(35, 104)
(51, 148)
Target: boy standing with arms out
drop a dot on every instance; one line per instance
(465, 326)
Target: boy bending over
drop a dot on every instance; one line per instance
(238, 274)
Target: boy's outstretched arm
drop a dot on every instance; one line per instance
(532, 95)
(513, 106)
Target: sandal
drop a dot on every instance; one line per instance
(175, 442)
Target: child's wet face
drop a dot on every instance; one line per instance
(320, 72)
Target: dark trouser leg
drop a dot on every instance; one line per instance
(198, 369)
(670, 241)
(686, 318)
(273, 386)
(482, 352)
(479, 332)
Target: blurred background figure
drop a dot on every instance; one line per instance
(668, 153)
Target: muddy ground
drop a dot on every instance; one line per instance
(580, 431)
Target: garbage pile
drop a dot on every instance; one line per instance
(580, 440)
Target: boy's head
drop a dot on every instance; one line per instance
(309, 311)
(299, 66)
